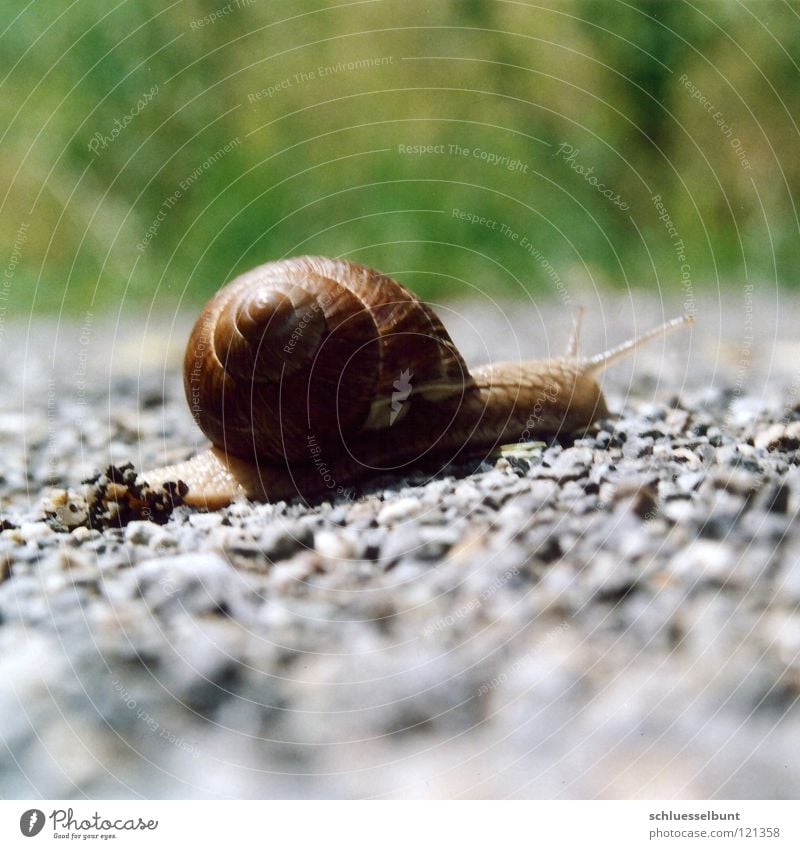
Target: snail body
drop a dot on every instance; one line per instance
(308, 373)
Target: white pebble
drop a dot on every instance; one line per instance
(333, 544)
(83, 534)
(397, 511)
(205, 521)
(679, 510)
(705, 558)
(29, 532)
(779, 437)
(148, 533)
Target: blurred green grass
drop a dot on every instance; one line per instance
(317, 165)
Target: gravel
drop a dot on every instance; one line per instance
(615, 616)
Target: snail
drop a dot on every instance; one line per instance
(308, 373)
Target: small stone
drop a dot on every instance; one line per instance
(634, 540)
(436, 542)
(689, 481)
(572, 464)
(571, 493)
(603, 439)
(399, 510)
(6, 559)
(436, 516)
(717, 525)
(280, 543)
(68, 561)
(645, 503)
(779, 437)
(542, 491)
(13, 424)
(197, 582)
(290, 576)
(404, 542)
(682, 454)
(502, 465)
(637, 447)
(726, 455)
(735, 480)
(149, 534)
(466, 495)
(662, 453)
(653, 412)
(677, 420)
(495, 500)
(54, 582)
(709, 559)
(774, 497)
(29, 532)
(362, 512)
(205, 521)
(239, 509)
(497, 480)
(334, 545)
(770, 528)
(82, 534)
(609, 578)
(679, 510)
(788, 580)
(744, 411)
(337, 516)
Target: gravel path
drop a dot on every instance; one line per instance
(616, 617)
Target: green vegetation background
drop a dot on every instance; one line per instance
(318, 166)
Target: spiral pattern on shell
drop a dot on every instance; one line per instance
(311, 347)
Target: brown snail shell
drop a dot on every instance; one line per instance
(311, 346)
